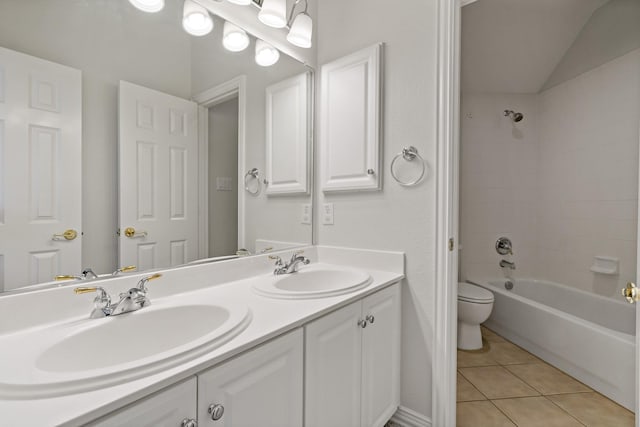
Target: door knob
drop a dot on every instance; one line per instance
(370, 318)
(131, 233)
(189, 422)
(69, 234)
(631, 293)
(362, 323)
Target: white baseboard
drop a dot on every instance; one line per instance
(405, 417)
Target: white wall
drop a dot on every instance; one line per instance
(396, 218)
(96, 37)
(567, 190)
(498, 167)
(269, 218)
(223, 162)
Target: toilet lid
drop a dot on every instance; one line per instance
(472, 293)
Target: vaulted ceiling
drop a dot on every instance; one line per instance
(513, 46)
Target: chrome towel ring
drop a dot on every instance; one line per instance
(252, 184)
(409, 154)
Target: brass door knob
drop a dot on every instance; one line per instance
(131, 233)
(631, 293)
(69, 234)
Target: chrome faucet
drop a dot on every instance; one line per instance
(292, 266)
(87, 274)
(507, 264)
(133, 300)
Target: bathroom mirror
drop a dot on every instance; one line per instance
(109, 42)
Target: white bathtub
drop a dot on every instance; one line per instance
(590, 337)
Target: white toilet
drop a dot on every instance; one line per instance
(474, 307)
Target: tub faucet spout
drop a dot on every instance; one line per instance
(510, 265)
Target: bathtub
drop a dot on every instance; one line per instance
(588, 336)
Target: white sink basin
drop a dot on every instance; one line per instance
(314, 281)
(95, 353)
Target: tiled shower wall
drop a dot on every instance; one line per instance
(562, 183)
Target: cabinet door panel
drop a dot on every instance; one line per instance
(381, 357)
(262, 387)
(165, 409)
(333, 371)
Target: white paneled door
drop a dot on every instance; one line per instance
(40, 170)
(158, 197)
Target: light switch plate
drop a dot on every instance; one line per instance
(306, 214)
(327, 214)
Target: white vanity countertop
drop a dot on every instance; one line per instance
(218, 282)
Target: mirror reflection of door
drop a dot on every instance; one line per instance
(158, 178)
(40, 170)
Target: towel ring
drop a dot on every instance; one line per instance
(252, 174)
(409, 154)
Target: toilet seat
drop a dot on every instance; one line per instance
(474, 294)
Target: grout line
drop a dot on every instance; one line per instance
(565, 411)
(503, 413)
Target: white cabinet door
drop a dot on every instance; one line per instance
(350, 122)
(381, 357)
(158, 178)
(263, 387)
(167, 408)
(288, 135)
(40, 169)
(333, 371)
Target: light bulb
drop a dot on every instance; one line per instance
(301, 30)
(273, 13)
(266, 55)
(234, 38)
(148, 5)
(196, 19)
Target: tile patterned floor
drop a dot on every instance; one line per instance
(503, 385)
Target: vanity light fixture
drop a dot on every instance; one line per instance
(266, 55)
(234, 38)
(300, 27)
(196, 19)
(273, 13)
(148, 5)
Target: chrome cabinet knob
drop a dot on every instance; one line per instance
(370, 172)
(189, 422)
(362, 323)
(216, 411)
(370, 318)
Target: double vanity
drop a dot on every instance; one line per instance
(222, 344)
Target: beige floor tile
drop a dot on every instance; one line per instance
(536, 412)
(480, 414)
(495, 382)
(510, 354)
(547, 379)
(482, 357)
(594, 410)
(491, 336)
(466, 391)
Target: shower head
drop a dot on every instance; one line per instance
(516, 117)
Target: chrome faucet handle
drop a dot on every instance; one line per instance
(504, 246)
(296, 254)
(126, 269)
(102, 301)
(142, 284)
(277, 259)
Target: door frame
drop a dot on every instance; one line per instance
(444, 363)
(236, 87)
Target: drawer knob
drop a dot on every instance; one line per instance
(216, 411)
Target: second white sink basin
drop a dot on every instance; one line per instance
(95, 353)
(314, 281)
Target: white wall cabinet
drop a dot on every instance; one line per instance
(350, 124)
(352, 370)
(263, 387)
(167, 408)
